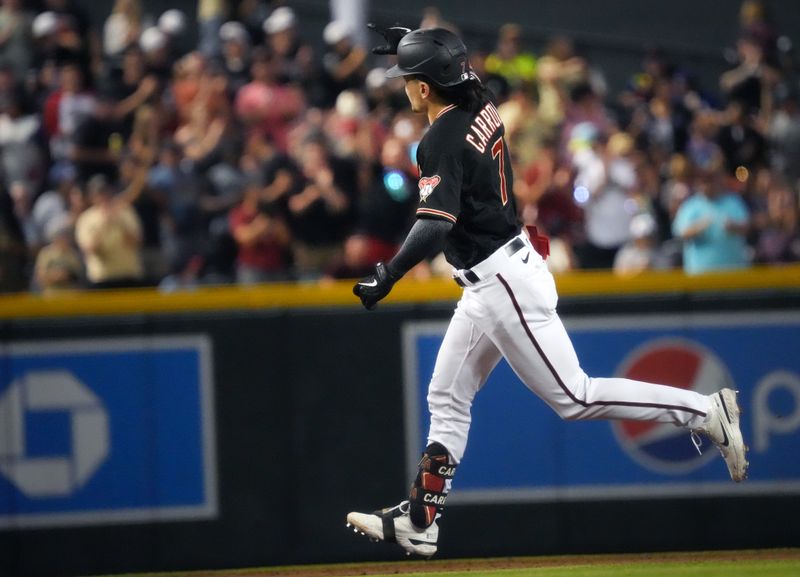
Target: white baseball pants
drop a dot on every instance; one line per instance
(511, 312)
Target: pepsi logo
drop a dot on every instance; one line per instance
(663, 447)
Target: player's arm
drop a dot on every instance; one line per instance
(440, 190)
(426, 237)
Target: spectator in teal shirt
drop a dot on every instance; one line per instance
(712, 223)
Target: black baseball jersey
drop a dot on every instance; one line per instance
(466, 178)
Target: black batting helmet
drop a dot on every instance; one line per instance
(435, 53)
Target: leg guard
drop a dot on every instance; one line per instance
(429, 491)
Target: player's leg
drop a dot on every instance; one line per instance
(538, 348)
(466, 358)
(463, 364)
(544, 358)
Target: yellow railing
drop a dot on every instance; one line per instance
(337, 294)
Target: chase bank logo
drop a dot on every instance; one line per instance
(57, 394)
(663, 447)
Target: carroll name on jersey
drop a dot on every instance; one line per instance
(486, 122)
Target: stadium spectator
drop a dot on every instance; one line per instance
(79, 23)
(294, 59)
(604, 184)
(784, 137)
(63, 38)
(321, 209)
(16, 45)
(526, 128)
(741, 144)
(509, 61)
(261, 161)
(13, 250)
(332, 146)
(21, 152)
(346, 127)
(22, 198)
(58, 265)
(585, 107)
(158, 53)
(187, 77)
(66, 109)
(385, 212)
(265, 105)
(179, 188)
(252, 14)
(712, 223)
(172, 24)
(776, 225)
(754, 23)
(132, 87)
(201, 135)
(122, 28)
(262, 237)
(676, 188)
(535, 180)
(145, 137)
(743, 83)
(109, 236)
(210, 16)
(150, 207)
(53, 205)
(557, 72)
(235, 54)
(655, 67)
(701, 147)
(638, 254)
(343, 64)
(98, 141)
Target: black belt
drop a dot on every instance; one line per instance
(470, 276)
(511, 249)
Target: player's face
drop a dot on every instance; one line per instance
(414, 91)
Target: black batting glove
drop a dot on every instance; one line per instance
(374, 287)
(392, 35)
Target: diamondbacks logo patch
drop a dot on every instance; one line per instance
(426, 186)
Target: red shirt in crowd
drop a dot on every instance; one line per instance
(267, 253)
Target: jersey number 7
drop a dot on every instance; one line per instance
(498, 154)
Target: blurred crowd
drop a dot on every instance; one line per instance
(130, 159)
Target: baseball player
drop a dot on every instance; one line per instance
(508, 305)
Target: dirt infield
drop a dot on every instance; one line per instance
(479, 566)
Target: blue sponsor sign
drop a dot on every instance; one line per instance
(106, 431)
(520, 450)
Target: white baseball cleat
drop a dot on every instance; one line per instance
(393, 525)
(722, 427)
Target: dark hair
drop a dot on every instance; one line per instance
(471, 95)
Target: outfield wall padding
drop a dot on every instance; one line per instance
(308, 414)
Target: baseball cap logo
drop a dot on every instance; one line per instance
(663, 447)
(426, 186)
